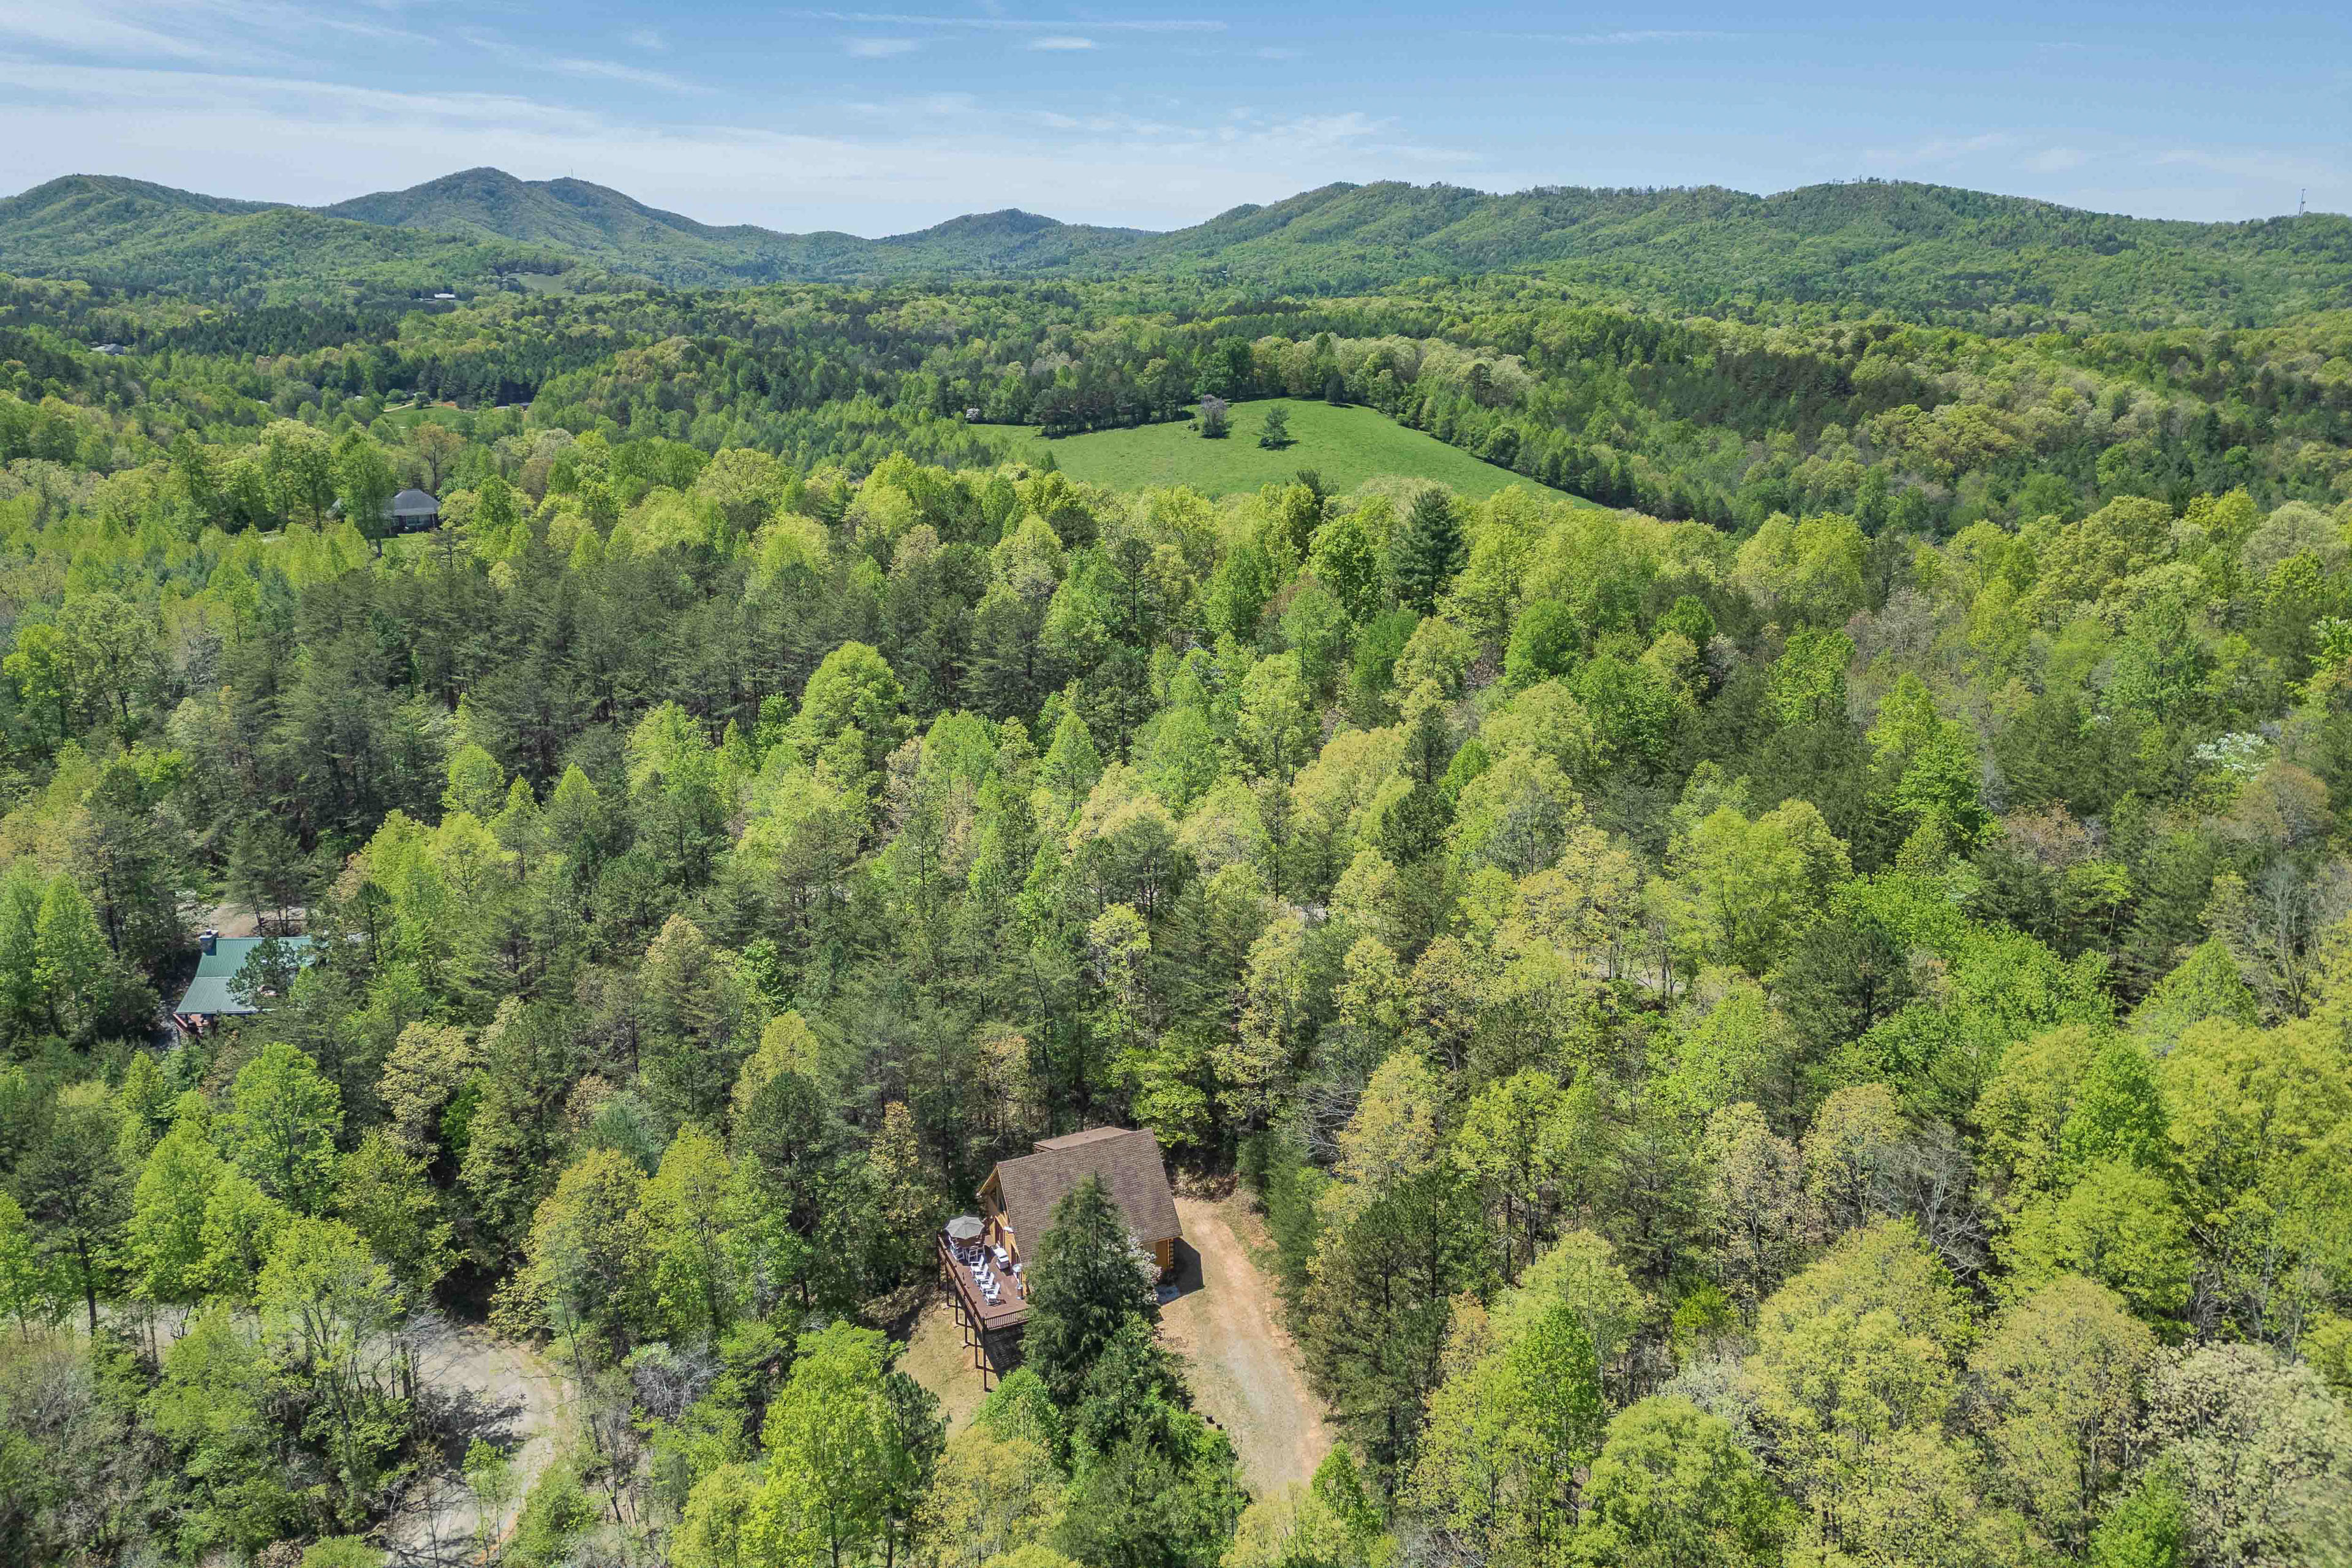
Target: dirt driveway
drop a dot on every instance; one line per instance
(1245, 1369)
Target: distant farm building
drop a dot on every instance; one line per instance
(412, 512)
(984, 1256)
(212, 994)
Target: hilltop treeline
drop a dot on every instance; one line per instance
(1931, 254)
(1925, 430)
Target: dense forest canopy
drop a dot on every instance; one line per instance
(1799, 1015)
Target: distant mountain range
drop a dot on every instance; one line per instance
(1927, 250)
(604, 227)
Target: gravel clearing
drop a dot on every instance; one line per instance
(523, 1402)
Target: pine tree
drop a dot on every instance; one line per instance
(74, 971)
(1429, 550)
(1086, 1283)
(22, 1010)
(75, 1192)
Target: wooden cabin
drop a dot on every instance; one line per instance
(982, 1256)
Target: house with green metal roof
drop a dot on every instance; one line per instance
(213, 992)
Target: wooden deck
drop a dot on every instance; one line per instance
(992, 1330)
(1010, 1311)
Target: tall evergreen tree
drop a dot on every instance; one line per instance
(1087, 1281)
(1429, 550)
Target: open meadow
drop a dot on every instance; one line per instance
(1345, 445)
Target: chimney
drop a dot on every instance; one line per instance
(209, 941)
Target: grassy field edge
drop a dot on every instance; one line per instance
(1346, 444)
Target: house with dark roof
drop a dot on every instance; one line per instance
(412, 512)
(220, 960)
(1020, 1194)
(984, 1258)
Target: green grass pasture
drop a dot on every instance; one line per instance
(1346, 446)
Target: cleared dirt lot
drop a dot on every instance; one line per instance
(521, 1400)
(1245, 1369)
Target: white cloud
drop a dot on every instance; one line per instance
(490, 44)
(110, 90)
(1939, 150)
(1623, 36)
(1010, 24)
(611, 70)
(648, 39)
(961, 106)
(1061, 41)
(95, 33)
(928, 159)
(1125, 125)
(2253, 176)
(246, 32)
(2265, 167)
(879, 48)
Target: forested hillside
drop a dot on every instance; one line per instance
(1800, 1016)
(1929, 428)
(1930, 253)
(128, 234)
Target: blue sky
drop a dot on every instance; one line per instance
(882, 121)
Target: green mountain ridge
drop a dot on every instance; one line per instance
(133, 234)
(616, 230)
(1929, 249)
(592, 221)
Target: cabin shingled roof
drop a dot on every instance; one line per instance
(1127, 1158)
